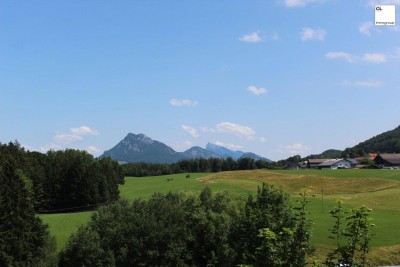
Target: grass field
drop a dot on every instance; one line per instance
(377, 189)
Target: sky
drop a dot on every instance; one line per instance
(274, 77)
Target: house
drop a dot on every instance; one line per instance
(314, 163)
(334, 164)
(387, 160)
(291, 166)
(353, 162)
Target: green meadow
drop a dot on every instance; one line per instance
(377, 189)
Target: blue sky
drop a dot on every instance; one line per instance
(277, 78)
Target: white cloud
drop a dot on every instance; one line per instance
(275, 37)
(374, 58)
(298, 3)
(312, 34)
(295, 149)
(257, 91)
(93, 150)
(192, 131)
(74, 135)
(83, 130)
(253, 37)
(235, 129)
(366, 28)
(342, 55)
(364, 83)
(263, 139)
(230, 146)
(183, 102)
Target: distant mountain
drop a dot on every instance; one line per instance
(254, 156)
(140, 148)
(226, 152)
(387, 142)
(198, 152)
(223, 151)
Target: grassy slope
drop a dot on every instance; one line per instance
(62, 225)
(378, 189)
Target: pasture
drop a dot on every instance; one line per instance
(377, 189)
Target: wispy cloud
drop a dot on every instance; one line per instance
(374, 58)
(366, 28)
(308, 34)
(275, 37)
(62, 138)
(190, 130)
(235, 129)
(295, 149)
(74, 135)
(93, 150)
(227, 145)
(263, 139)
(368, 57)
(253, 37)
(256, 91)
(83, 130)
(363, 83)
(183, 102)
(299, 3)
(207, 129)
(342, 55)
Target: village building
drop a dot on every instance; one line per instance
(334, 164)
(387, 160)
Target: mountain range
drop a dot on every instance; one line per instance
(141, 148)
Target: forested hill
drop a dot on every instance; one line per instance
(387, 142)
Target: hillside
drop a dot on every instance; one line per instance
(387, 142)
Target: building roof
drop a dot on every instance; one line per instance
(353, 161)
(391, 158)
(330, 162)
(317, 161)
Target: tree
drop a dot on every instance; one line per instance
(270, 209)
(24, 239)
(356, 235)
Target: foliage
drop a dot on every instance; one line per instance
(387, 142)
(166, 230)
(356, 236)
(186, 230)
(24, 239)
(62, 180)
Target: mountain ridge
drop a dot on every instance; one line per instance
(141, 148)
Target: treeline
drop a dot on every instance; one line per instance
(67, 179)
(195, 165)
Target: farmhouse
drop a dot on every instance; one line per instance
(335, 164)
(291, 166)
(387, 160)
(314, 163)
